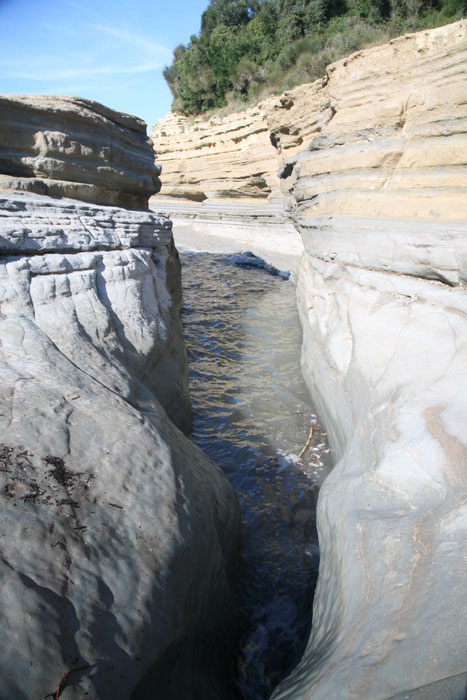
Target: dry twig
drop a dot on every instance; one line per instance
(307, 443)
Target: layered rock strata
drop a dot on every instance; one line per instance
(387, 122)
(237, 155)
(72, 147)
(379, 200)
(397, 142)
(118, 534)
(234, 227)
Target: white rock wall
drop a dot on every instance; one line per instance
(385, 356)
(117, 532)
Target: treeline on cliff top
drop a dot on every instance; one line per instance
(247, 49)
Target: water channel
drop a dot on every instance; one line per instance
(252, 416)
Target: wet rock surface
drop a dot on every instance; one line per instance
(250, 261)
(234, 227)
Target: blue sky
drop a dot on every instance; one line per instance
(112, 51)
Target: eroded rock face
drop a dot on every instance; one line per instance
(235, 227)
(382, 126)
(385, 357)
(237, 155)
(72, 147)
(377, 191)
(118, 532)
(379, 201)
(397, 142)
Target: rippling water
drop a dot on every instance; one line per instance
(252, 415)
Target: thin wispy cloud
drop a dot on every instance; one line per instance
(109, 51)
(123, 35)
(72, 73)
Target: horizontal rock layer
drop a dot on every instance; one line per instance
(117, 532)
(237, 155)
(397, 143)
(384, 133)
(234, 227)
(72, 147)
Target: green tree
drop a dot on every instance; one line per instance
(244, 45)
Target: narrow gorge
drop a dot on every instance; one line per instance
(120, 538)
(372, 163)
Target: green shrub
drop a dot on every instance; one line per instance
(249, 48)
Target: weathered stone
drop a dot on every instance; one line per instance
(237, 155)
(383, 302)
(384, 133)
(72, 147)
(117, 532)
(397, 142)
(234, 227)
(385, 357)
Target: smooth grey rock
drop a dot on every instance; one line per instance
(116, 278)
(72, 147)
(117, 532)
(385, 357)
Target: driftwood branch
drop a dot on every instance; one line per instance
(307, 444)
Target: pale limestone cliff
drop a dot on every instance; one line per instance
(72, 147)
(383, 305)
(237, 155)
(379, 199)
(389, 124)
(397, 143)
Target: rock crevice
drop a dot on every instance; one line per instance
(373, 173)
(379, 200)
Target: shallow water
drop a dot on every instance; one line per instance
(252, 416)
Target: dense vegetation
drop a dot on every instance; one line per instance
(249, 48)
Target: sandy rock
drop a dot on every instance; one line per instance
(383, 133)
(377, 191)
(117, 531)
(237, 155)
(235, 226)
(72, 147)
(385, 358)
(397, 142)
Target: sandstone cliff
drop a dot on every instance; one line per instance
(386, 121)
(237, 155)
(117, 532)
(377, 190)
(72, 147)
